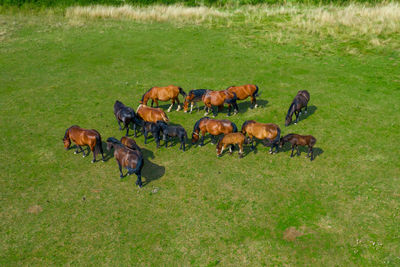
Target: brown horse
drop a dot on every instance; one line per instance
(231, 139)
(166, 93)
(244, 91)
(262, 131)
(299, 140)
(130, 143)
(151, 114)
(127, 158)
(82, 137)
(193, 97)
(299, 101)
(219, 98)
(213, 127)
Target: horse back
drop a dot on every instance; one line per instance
(243, 91)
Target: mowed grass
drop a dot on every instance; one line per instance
(195, 208)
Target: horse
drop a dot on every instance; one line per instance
(231, 139)
(244, 91)
(299, 140)
(82, 137)
(126, 115)
(218, 98)
(154, 129)
(130, 159)
(193, 97)
(130, 143)
(262, 131)
(213, 127)
(173, 131)
(166, 93)
(299, 101)
(151, 114)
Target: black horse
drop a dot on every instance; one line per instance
(300, 101)
(154, 129)
(127, 158)
(126, 115)
(173, 131)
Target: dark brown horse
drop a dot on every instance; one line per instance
(83, 137)
(151, 114)
(300, 101)
(166, 93)
(299, 140)
(128, 142)
(126, 115)
(130, 159)
(193, 97)
(218, 99)
(213, 127)
(244, 91)
(262, 131)
(231, 139)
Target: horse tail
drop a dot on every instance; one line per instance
(235, 129)
(164, 116)
(278, 136)
(182, 92)
(99, 146)
(256, 91)
(139, 165)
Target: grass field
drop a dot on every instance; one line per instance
(196, 209)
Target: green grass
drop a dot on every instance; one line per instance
(207, 211)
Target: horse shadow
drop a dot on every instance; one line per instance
(107, 154)
(302, 149)
(246, 105)
(151, 171)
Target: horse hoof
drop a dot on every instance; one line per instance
(305, 112)
(92, 161)
(103, 160)
(83, 156)
(121, 176)
(255, 106)
(75, 152)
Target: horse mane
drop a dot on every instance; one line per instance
(146, 93)
(114, 140)
(66, 131)
(196, 125)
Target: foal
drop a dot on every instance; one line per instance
(231, 139)
(299, 140)
(126, 115)
(173, 131)
(300, 101)
(193, 97)
(154, 129)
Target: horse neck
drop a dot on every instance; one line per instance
(291, 109)
(146, 97)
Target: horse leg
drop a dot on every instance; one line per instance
(120, 169)
(119, 124)
(139, 180)
(127, 129)
(298, 151)
(152, 102)
(145, 133)
(231, 148)
(229, 109)
(312, 154)
(179, 104)
(170, 107)
(76, 151)
(134, 129)
(240, 150)
(222, 150)
(202, 138)
(83, 152)
(305, 111)
(166, 141)
(297, 117)
(254, 102)
(183, 143)
(291, 155)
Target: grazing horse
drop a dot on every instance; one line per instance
(130, 159)
(173, 131)
(231, 139)
(151, 114)
(130, 143)
(126, 115)
(299, 101)
(218, 98)
(154, 129)
(244, 91)
(213, 127)
(299, 140)
(262, 131)
(166, 93)
(82, 137)
(193, 97)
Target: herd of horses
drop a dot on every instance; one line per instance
(154, 121)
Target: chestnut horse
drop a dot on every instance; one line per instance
(193, 97)
(218, 98)
(299, 101)
(244, 91)
(82, 137)
(262, 131)
(127, 158)
(166, 93)
(231, 139)
(130, 143)
(126, 115)
(151, 114)
(299, 140)
(213, 127)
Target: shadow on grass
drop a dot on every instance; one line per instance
(151, 171)
(246, 105)
(310, 111)
(302, 149)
